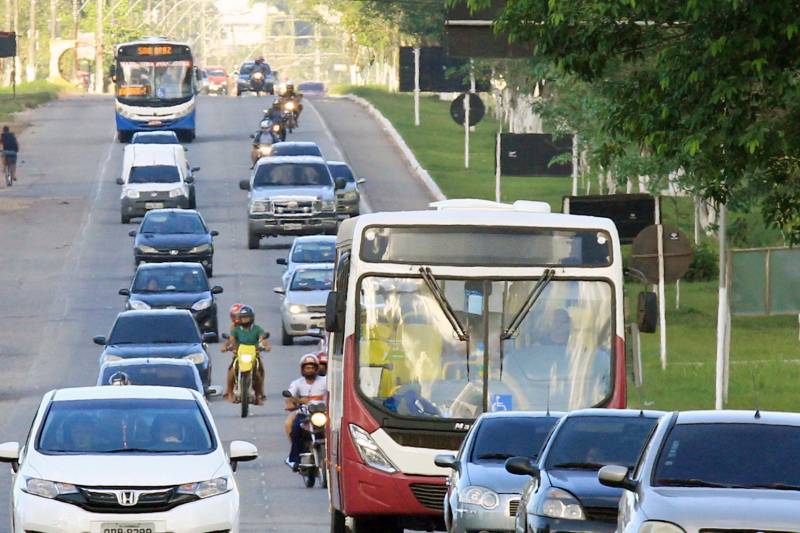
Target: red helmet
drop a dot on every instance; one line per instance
(234, 311)
(322, 358)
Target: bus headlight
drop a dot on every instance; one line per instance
(370, 452)
(319, 419)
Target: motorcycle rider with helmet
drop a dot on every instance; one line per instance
(322, 358)
(246, 331)
(307, 388)
(291, 95)
(232, 312)
(262, 68)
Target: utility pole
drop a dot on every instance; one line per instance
(17, 64)
(30, 68)
(317, 56)
(98, 48)
(6, 69)
(53, 20)
(75, 14)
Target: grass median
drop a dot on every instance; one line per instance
(28, 95)
(765, 351)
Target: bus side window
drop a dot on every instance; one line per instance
(340, 286)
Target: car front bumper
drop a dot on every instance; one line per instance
(206, 259)
(542, 524)
(217, 513)
(141, 205)
(349, 208)
(313, 225)
(299, 324)
(468, 518)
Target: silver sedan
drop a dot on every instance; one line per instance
(304, 299)
(713, 472)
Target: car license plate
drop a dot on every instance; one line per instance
(292, 227)
(145, 527)
(154, 123)
(154, 205)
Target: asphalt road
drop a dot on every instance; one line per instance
(64, 255)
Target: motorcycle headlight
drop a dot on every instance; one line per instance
(138, 305)
(174, 193)
(260, 207)
(257, 76)
(486, 498)
(200, 249)
(297, 308)
(559, 503)
(147, 249)
(276, 128)
(131, 193)
(201, 304)
(289, 106)
(206, 489)
(319, 419)
(370, 452)
(48, 489)
(329, 205)
(246, 358)
(196, 358)
(653, 526)
(265, 150)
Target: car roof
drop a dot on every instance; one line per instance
(153, 154)
(618, 413)
(290, 159)
(154, 312)
(146, 361)
(315, 238)
(139, 391)
(739, 417)
(173, 210)
(338, 163)
(522, 414)
(296, 143)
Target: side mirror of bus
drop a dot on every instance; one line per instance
(647, 312)
(332, 313)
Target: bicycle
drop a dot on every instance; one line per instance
(7, 166)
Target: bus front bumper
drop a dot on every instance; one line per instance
(186, 122)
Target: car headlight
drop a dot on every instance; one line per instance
(370, 452)
(350, 195)
(200, 249)
(652, 526)
(559, 503)
(329, 205)
(131, 193)
(111, 358)
(174, 193)
(206, 489)
(260, 207)
(486, 498)
(196, 358)
(319, 419)
(147, 249)
(201, 304)
(138, 305)
(48, 489)
(297, 308)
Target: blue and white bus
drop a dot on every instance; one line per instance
(155, 88)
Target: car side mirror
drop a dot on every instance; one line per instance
(214, 390)
(195, 169)
(124, 292)
(9, 453)
(240, 452)
(332, 323)
(616, 476)
(279, 290)
(244, 185)
(282, 261)
(361, 181)
(214, 233)
(216, 289)
(120, 181)
(99, 340)
(340, 183)
(132, 233)
(252, 135)
(522, 466)
(286, 394)
(446, 460)
(647, 312)
(188, 179)
(210, 337)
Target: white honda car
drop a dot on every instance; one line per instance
(124, 460)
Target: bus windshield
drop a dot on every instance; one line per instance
(412, 362)
(145, 81)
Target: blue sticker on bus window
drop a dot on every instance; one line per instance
(500, 402)
(474, 303)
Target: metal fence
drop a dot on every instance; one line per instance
(765, 281)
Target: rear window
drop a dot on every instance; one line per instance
(160, 138)
(155, 329)
(312, 280)
(155, 174)
(499, 439)
(314, 252)
(295, 149)
(216, 72)
(246, 68)
(311, 86)
(155, 374)
(171, 222)
(292, 175)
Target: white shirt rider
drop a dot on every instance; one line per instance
(301, 388)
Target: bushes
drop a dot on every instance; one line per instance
(705, 263)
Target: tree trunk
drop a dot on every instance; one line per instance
(98, 48)
(30, 69)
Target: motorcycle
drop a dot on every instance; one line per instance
(245, 365)
(290, 115)
(314, 459)
(276, 129)
(258, 83)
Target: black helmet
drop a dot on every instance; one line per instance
(259, 60)
(246, 312)
(119, 378)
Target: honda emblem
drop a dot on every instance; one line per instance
(173, 252)
(127, 498)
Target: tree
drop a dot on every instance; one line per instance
(707, 86)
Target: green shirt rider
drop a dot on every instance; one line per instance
(247, 332)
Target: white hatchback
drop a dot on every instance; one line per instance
(124, 460)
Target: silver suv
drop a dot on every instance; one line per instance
(290, 196)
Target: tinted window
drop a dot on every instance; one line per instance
(173, 222)
(292, 175)
(154, 174)
(295, 149)
(155, 328)
(247, 68)
(216, 72)
(171, 279)
(312, 86)
(155, 139)
(342, 171)
(155, 374)
(501, 438)
(120, 425)
(738, 455)
(314, 252)
(592, 442)
(312, 280)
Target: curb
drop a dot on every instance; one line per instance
(422, 174)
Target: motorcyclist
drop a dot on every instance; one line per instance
(322, 357)
(307, 388)
(291, 95)
(275, 116)
(261, 67)
(247, 332)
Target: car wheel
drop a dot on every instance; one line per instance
(253, 241)
(210, 271)
(124, 136)
(374, 524)
(125, 219)
(286, 339)
(337, 522)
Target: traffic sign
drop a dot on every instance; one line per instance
(476, 109)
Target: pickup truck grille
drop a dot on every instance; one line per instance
(295, 207)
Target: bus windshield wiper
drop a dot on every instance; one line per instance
(513, 327)
(447, 309)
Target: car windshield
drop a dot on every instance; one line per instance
(342, 171)
(501, 438)
(292, 175)
(314, 252)
(154, 374)
(412, 363)
(171, 279)
(290, 149)
(125, 425)
(312, 280)
(173, 222)
(154, 174)
(247, 68)
(159, 138)
(216, 73)
(761, 456)
(155, 328)
(591, 442)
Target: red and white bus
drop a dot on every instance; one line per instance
(438, 316)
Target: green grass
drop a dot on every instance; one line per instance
(29, 95)
(765, 351)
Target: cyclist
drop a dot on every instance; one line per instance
(10, 150)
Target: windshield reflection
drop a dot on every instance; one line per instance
(413, 363)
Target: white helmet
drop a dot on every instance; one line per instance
(309, 359)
